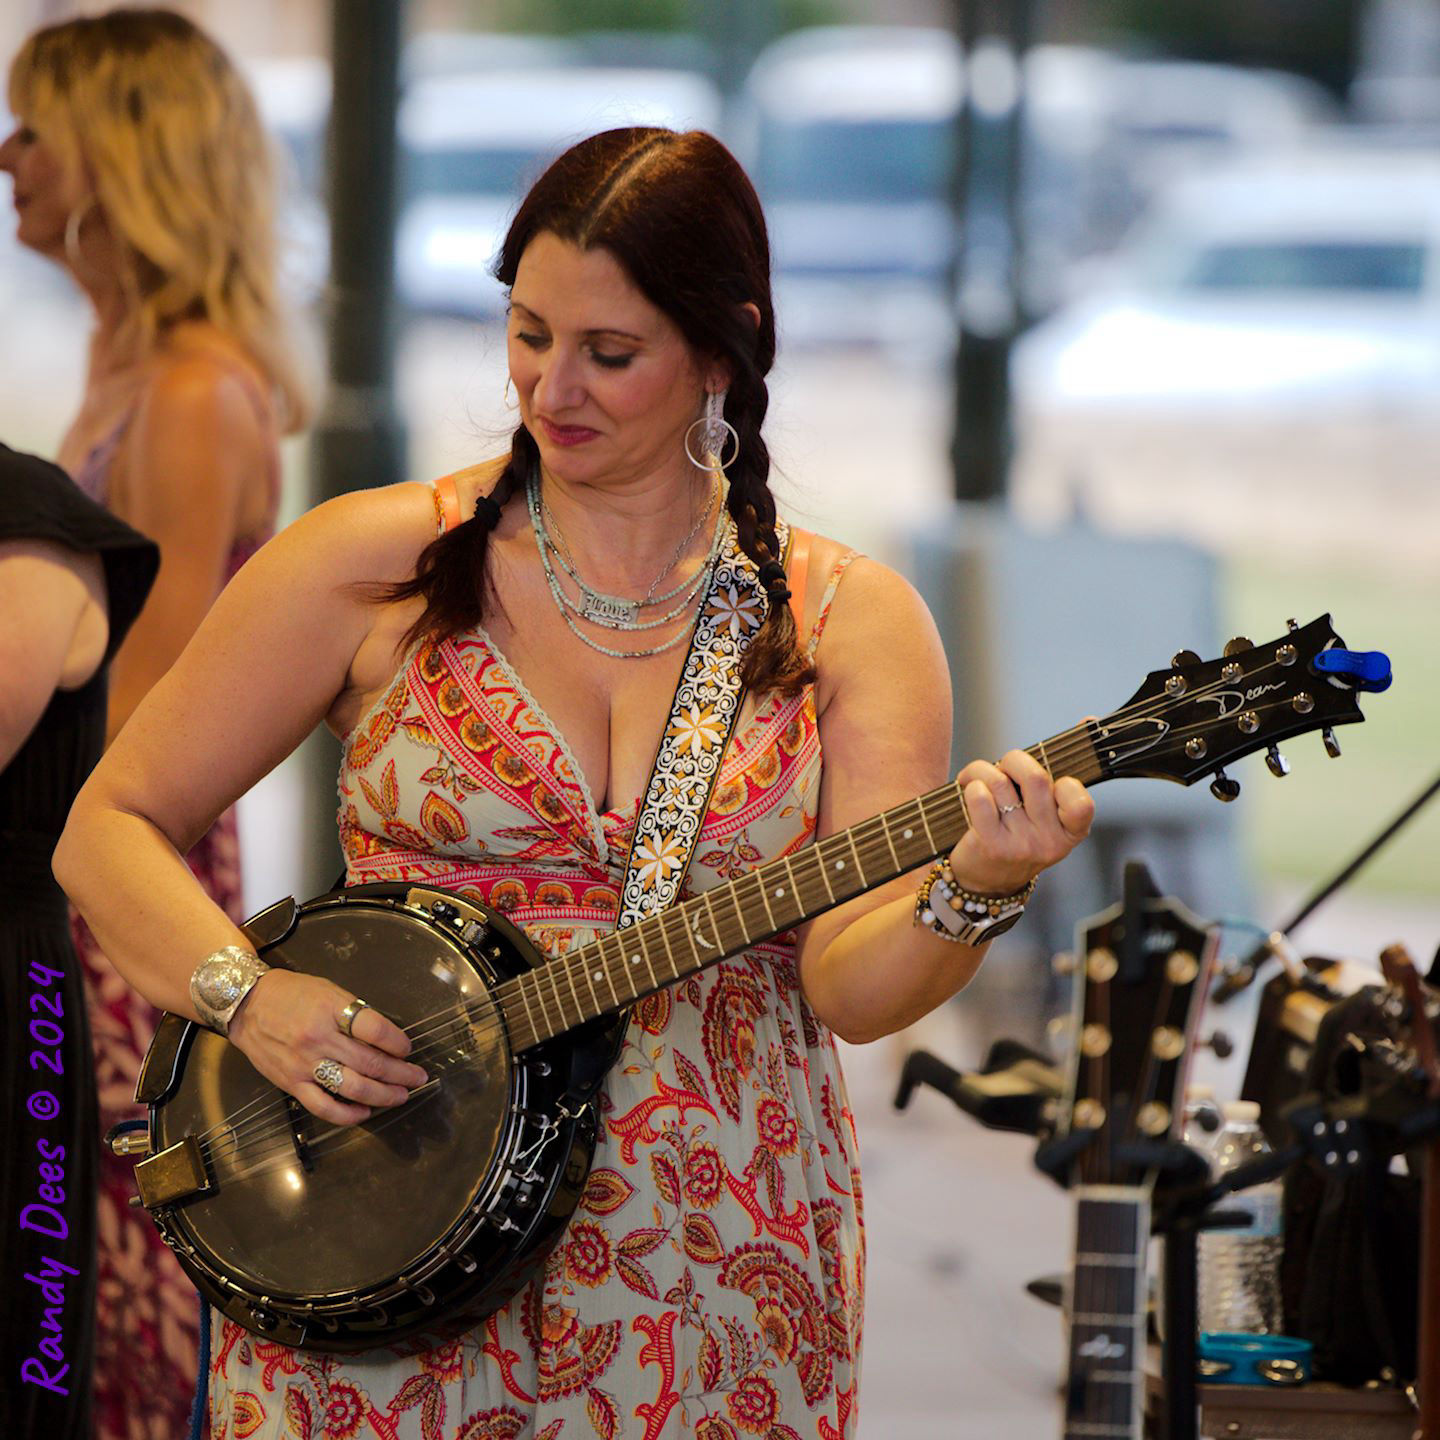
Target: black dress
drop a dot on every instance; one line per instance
(49, 1145)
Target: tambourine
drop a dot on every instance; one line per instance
(1231, 1358)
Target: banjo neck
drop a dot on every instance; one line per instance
(611, 973)
(1181, 724)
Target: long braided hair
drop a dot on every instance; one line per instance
(682, 218)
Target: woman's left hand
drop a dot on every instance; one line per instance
(1021, 822)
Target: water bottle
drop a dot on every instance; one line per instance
(1240, 1269)
(1202, 1130)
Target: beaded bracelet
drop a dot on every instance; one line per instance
(947, 909)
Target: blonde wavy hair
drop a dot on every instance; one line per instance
(168, 135)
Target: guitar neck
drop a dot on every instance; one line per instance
(1106, 1307)
(619, 969)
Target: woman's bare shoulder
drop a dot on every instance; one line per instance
(867, 593)
(372, 534)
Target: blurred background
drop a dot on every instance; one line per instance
(1115, 324)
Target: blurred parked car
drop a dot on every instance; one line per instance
(850, 133)
(1269, 338)
(474, 143)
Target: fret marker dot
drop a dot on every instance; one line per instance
(597, 976)
(634, 959)
(839, 864)
(779, 891)
(906, 834)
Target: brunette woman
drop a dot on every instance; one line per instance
(502, 653)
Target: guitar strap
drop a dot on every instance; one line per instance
(702, 719)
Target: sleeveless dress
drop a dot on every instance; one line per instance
(711, 1279)
(147, 1325)
(47, 1089)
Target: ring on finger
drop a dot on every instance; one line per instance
(1009, 809)
(329, 1075)
(349, 1014)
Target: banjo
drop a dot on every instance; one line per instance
(477, 1174)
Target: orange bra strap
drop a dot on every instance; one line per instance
(795, 573)
(447, 501)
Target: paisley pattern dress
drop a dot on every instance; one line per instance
(711, 1280)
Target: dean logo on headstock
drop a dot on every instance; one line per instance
(1198, 716)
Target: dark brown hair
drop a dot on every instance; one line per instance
(683, 220)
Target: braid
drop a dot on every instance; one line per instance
(775, 660)
(450, 572)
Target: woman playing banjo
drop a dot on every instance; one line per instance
(502, 654)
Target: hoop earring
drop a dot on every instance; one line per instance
(73, 222)
(709, 434)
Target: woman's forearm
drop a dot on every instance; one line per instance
(882, 972)
(148, 912)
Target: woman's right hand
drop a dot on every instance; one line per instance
(289, 1023)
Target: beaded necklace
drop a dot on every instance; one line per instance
(615, 618)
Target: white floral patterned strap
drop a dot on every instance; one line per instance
(702, 719)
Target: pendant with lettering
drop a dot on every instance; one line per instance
(609, 610)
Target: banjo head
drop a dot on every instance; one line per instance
(306, 1212)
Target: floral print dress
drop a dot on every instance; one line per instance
(710, 1282)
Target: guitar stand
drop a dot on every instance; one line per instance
(1180, 1202)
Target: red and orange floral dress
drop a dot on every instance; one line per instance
(711, 1280)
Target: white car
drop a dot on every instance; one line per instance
(474, 143)
(1264, 362)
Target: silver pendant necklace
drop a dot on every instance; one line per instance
(616, 612)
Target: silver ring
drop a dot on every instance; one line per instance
(348, 1014)
(329, 1075)
(1008, 809)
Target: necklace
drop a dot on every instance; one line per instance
(618, 612)
(566, 605)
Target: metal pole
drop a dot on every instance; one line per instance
(359, 440)
(988, 251)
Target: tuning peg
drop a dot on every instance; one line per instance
(1239, 643)
(1222, 787)
(1184, 657)
(1219, 1042)
(1332, 745)
(1279, 765)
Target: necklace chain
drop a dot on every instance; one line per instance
(616, 612)
(555, 538)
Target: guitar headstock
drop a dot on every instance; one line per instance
(1137, 1005)
(1192, 719)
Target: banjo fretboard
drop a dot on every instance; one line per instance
(619, 969)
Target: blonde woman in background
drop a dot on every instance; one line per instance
(140, 166)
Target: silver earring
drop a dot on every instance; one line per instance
(73, 222)
(512, 400)
(709, 434)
